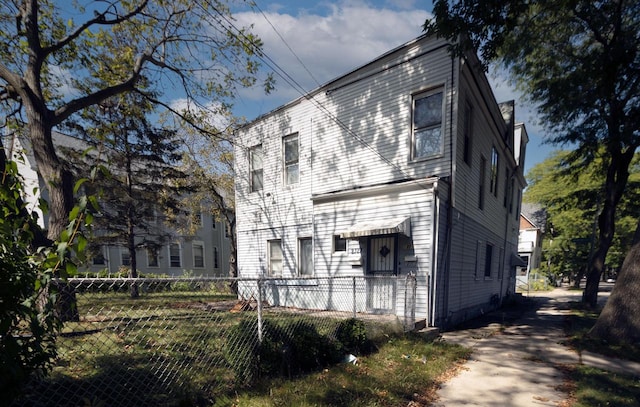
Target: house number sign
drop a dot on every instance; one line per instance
(353, 248)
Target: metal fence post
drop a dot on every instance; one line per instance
(354, 296)
(410, 302)
(260, 310)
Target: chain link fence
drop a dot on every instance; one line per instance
(166, 342)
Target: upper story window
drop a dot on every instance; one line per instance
(291, 156)
(495, 162)
(506, 187)
(255, 161)
(427, 124)
(467, 128)
(483, 166)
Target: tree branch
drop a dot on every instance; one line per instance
(100, 19)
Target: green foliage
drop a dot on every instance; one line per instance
(577, 63)
(290, 347)
(352, 334)
(27, 341)
(572, 199)
(58, 60)
(30, 294)
(242, 353)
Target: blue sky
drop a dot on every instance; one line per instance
(330, 38)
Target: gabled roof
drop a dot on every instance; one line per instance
(326, 87)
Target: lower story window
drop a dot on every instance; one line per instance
(275, 258)
(305, 250)
(99, 258)
(339, 244)
(125, 256)
(174, 255)
(198, 254)
(488, 260)
(152, 257)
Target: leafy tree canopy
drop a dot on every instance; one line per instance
(572, 198)
(59, 58)
(578, 61)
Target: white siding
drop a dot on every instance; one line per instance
(355, 165)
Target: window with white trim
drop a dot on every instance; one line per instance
(198, 254)
(125, 256)
(468, 129)
(175, 255)
(339, 244)
(427, 134)
(255, 161)
(481, 184)
(291, 159)
(275, 257)
(488, 260)
(153, 259)
(99, 258)
(305, 256)
(495, 163)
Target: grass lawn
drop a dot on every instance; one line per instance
(594, 387)
(172, 349)
(403, 369)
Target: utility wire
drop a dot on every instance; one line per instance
(307, 95)
(286, 44)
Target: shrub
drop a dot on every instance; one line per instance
(308, 350)
(241, 351)
(352, 335)
(287, 348)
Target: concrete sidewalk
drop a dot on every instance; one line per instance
(515, 352)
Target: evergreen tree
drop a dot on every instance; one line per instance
(142, 180)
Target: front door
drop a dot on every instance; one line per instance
(382, 270)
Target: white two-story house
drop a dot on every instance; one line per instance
(406, 165)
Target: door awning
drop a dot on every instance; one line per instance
(517, 260)
(379, 227)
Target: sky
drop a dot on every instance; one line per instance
(317, 41)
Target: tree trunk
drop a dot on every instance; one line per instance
(59, 183)
(57, 177)
(615, 183)
(131, 239)
(619, 321)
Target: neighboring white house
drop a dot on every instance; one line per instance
(529, 248)
(205, 252)
(404, 165)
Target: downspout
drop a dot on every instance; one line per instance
(313, 209)
(434, 258)
(504, 251)
(449, 221)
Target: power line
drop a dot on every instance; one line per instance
(307, 95)
(286, 44)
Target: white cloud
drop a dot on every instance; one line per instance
(332, 40)
(211, 110)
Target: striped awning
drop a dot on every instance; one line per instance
(378, 227)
